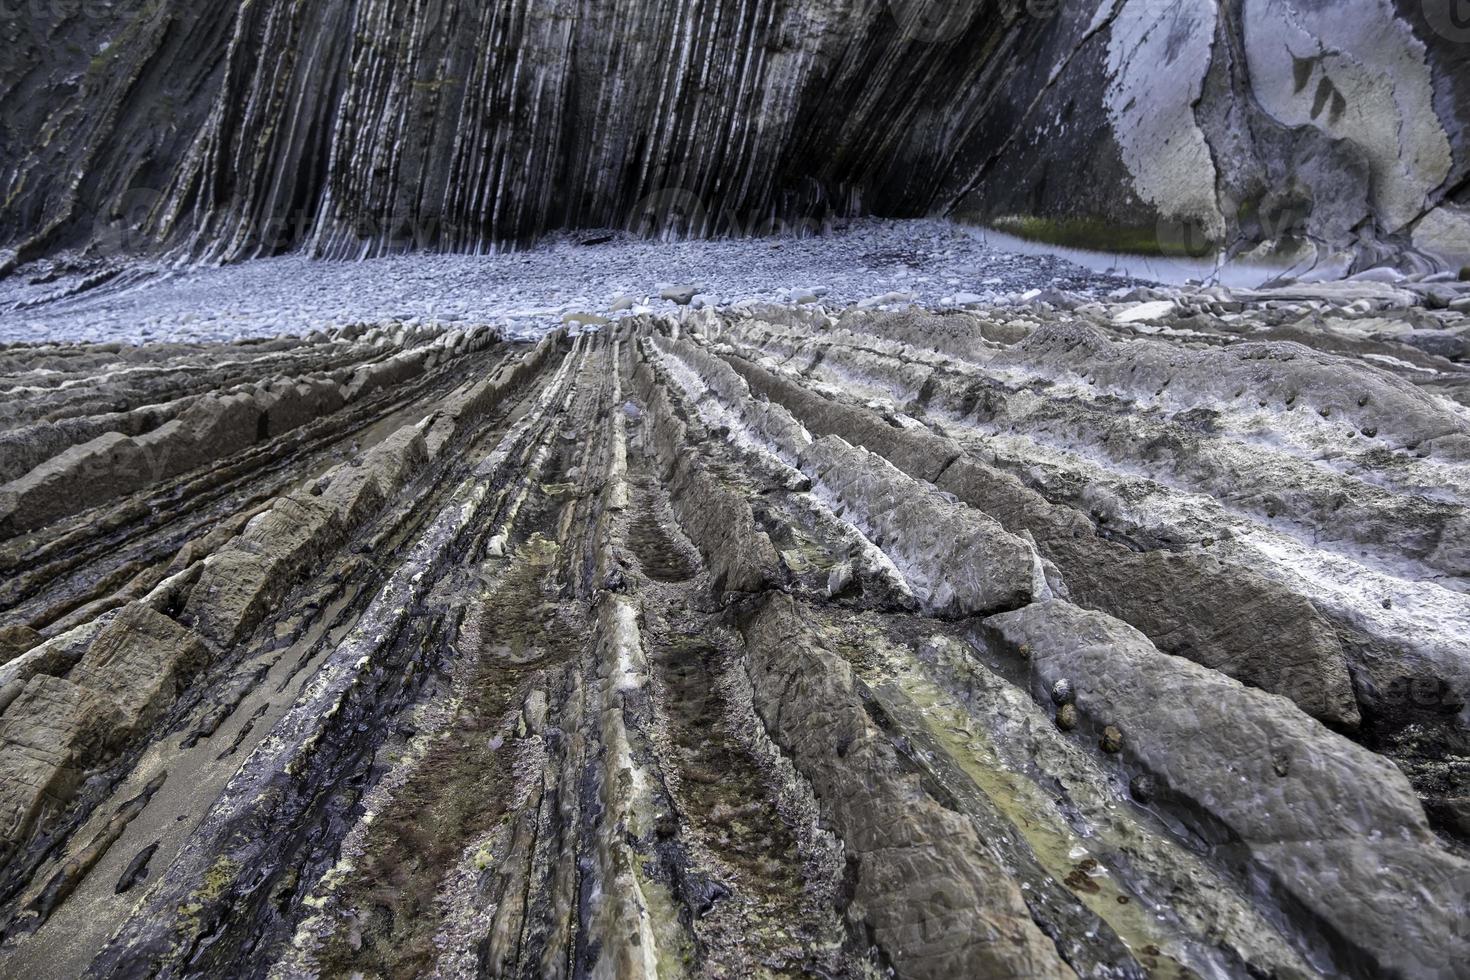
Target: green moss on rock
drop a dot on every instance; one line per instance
(1098, 235)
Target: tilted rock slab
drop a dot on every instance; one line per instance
(926, 884)
(959, 560)
(1189, 603)
(1285, 376)
(1335, 829)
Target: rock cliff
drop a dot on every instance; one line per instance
(227, 130)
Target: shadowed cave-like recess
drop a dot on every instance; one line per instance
(357, 127)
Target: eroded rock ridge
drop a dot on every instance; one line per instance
(1004, 643)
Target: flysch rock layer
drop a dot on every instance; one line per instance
(228, 130)
(1117, 638)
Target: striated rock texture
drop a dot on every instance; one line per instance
(1244, 123)
(229, 129)
(1004, 643)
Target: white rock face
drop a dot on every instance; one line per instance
(1145, 311)
(1158, 52)
(1264, 124)
(1359, 75)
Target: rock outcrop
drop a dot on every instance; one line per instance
(235, 130)
(1005, 642)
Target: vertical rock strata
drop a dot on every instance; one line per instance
(772, 642)
(234, 130)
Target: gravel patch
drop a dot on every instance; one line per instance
(876, 263)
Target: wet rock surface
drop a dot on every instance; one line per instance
(1060, 638)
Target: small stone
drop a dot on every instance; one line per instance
(1142, 787)
(1112, 739)
(1062, 693)
(682, 295)
(136, 870)
(887, 299)
(534, 711)
(839, 579)
(1145, 311)
(1067, 717)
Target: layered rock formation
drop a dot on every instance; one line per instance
(231, 129)
(1018, 643)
